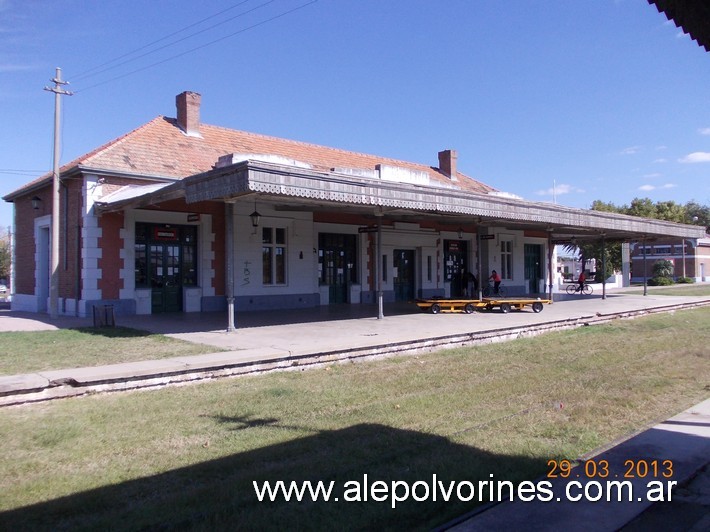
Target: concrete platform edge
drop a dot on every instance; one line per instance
(72, 382)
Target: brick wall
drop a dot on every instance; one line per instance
(70, 239)
(25, 247)
(110, 262)
(218, 247)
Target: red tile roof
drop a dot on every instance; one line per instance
(159, 148)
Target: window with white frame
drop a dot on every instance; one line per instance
(506, 259)
(273, 255)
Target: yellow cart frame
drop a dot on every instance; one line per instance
(469, 306)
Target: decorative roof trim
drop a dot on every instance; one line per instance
(250, 177)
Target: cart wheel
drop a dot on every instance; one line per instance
(505, 308)
(469, 308)
(537, 306)
(435, 308)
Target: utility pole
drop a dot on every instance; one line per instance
(54, 280)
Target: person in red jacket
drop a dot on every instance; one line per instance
(496, 281)
(581, 280)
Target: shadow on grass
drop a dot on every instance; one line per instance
(247, 422)
(114, 332)
(219, 494)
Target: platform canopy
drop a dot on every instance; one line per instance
(693, 16)
(292, 188)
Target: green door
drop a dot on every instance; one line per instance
(403, 279)
(165, 278)
(533, 267)
(336, 258)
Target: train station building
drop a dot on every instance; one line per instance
(180, 216)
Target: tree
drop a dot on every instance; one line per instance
(697, 214)
(599, 205)
(670, 211)
(642, 207)
(582, 249)
(5, 256)
(663, 268)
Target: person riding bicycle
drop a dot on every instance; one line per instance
(581, 280)
(496, 281)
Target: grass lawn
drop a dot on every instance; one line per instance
(676, 290)
(186, 457)
(29, 352)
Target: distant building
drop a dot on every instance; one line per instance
(570, 267)
(690, 258)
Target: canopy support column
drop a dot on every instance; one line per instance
(549, 264)
(645, 272)
(479, 265)
(378, 267)
(229, 264)
(603, 266)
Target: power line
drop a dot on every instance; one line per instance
(12, 171)
(81, 75)
(94, 72)
(176, 56)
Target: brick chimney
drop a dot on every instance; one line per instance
(188, 112)
(447, 163)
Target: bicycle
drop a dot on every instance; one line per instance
(489, 291)
(575, 289)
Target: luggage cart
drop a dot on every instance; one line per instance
(469, 306)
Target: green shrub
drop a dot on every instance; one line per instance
(660, 281)
(663, 268)
(685, 280)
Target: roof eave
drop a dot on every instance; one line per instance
(79, 170)
(167, 193)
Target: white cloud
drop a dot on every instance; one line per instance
(559, 190)
(649, 188)
(631, 150)
(661, 148)
(651, 176)
(696, 157)
(704, 130)
(9, 67)
(660, 161)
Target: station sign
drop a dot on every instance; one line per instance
(367, 229)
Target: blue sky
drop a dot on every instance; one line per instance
(606, 98)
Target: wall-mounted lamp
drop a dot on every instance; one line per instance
(460, 233)
(36, 202)
(255, 217)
